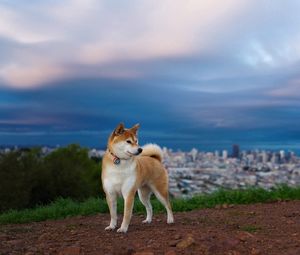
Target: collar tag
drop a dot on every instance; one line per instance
(116, 161)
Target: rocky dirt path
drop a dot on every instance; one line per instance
(272, 228)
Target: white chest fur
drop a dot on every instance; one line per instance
(120, 179)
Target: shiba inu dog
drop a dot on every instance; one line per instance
(127, 168)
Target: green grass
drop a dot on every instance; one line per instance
(250, 228)
(63, 208)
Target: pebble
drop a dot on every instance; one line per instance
(255, 251)
(176, 237)
(173, 243)
(170, 252)
(231, 242)
(234, 253)
(225, 206)
(124, 250)
(292, 251)
(144, 253)
(3, 237)
(185, 243)
(290, 222)
(71, 250)
(16, 242)
(43, 237)
(244, 236)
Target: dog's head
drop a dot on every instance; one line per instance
(124, 142)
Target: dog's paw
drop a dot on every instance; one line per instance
(110, 227)
(122, 230)
(146, 221)
(170, 221)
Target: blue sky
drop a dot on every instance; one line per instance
(200, 74)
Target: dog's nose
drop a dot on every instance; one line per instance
(140, 150)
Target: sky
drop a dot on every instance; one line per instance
(195, 73)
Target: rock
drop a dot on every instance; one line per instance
(185, 243)
(231, 242)
(177, 237)
(255, 251)
(150, 241)
(290, 222)
(43, 237)
(16, 243)
(122, 250)
(225, 206)
(33, 249)
(170, 252)
(71, 250)
(213, 249)
(3, 237)
(244, 236)
(144, 253)
(293, 251)
(234, 253)
(173, 243)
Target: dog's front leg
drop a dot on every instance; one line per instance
(112, 204)
(128, 206)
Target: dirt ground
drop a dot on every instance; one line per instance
(272, 228)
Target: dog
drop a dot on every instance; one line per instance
(127, 168)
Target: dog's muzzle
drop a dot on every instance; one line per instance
(139, 151)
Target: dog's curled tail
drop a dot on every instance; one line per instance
(152, 150)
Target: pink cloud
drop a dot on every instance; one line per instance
(58, 36)
(291, 89)
(31, 75)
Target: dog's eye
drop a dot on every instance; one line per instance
(128, 141)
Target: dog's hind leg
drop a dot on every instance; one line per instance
(144, 195)
(162, 194)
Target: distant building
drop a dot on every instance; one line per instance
(264, 157)
(224, 154)
(235, 151)
(216, 153)
(194, 153)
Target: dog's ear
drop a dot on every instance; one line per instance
(135, 128)
(119, 129)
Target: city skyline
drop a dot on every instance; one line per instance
(200, 74)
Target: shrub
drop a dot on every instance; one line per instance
(28, 179)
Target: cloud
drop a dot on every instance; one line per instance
(54, 37)
(31, 75)
(290, 90)
(74, 65)
(53, 40)
(172, 28)
(19, 26)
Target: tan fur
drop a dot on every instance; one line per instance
(152, 150)
(143, 173)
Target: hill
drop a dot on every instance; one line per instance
(269, 228)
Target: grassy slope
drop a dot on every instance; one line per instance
(63, 208)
